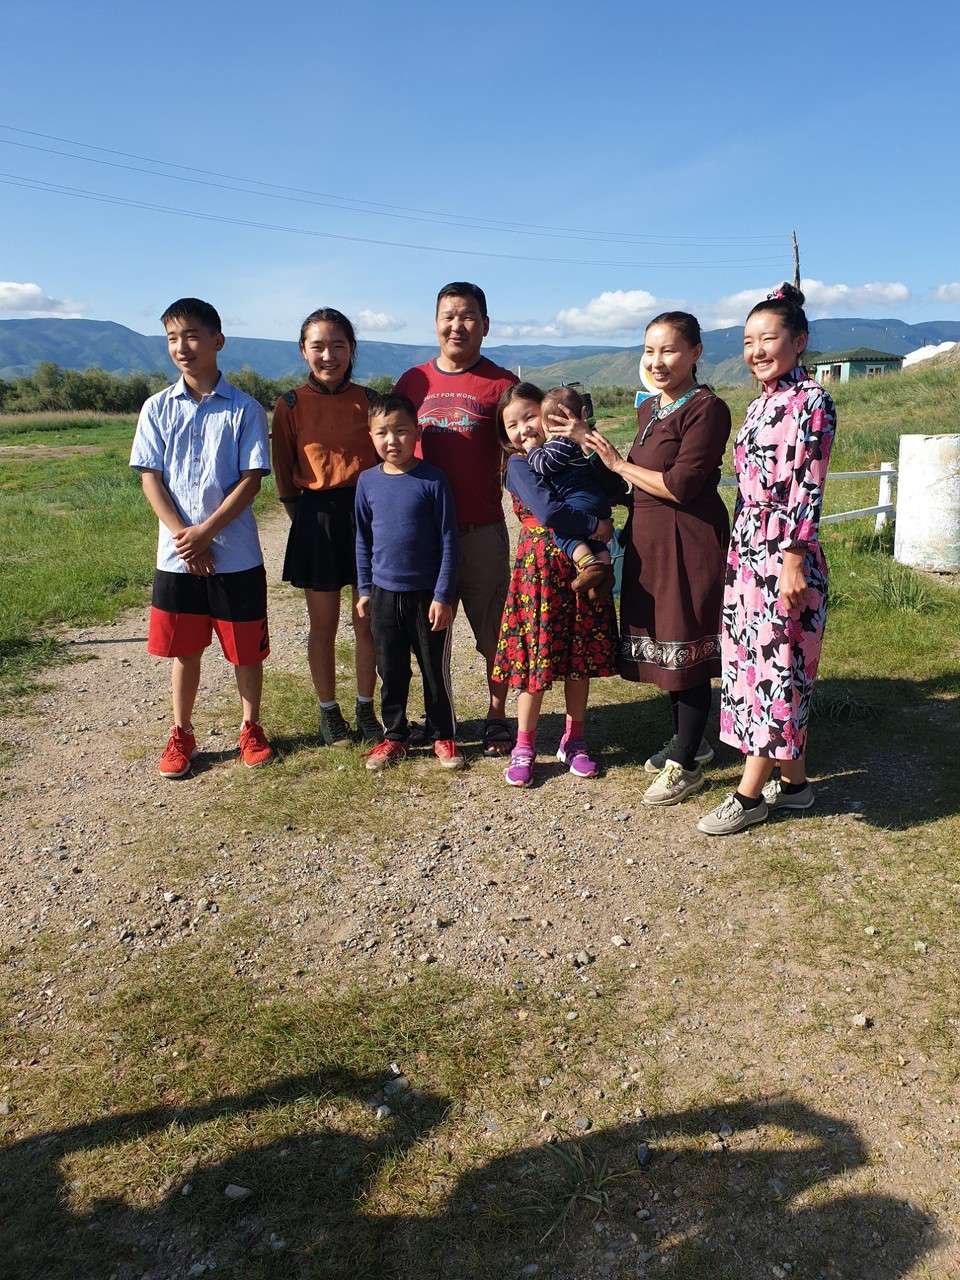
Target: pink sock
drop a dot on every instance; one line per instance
(574, 730)
(527, 741)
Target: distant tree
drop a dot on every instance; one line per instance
(613, 397)
(266, 390)
(381, 384)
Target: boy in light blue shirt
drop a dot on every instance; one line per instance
(202, 449)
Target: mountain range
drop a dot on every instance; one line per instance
(83, 344)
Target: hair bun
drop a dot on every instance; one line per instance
(788, 293)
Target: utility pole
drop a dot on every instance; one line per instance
(796, 260)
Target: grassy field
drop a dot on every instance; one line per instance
(79, 537)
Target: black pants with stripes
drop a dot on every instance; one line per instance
(401, 626)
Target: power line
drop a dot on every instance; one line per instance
(351, 204)
(19, 180)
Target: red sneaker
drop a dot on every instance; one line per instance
(448, 753)
(177, 754)
(255, 750)
(384, 753)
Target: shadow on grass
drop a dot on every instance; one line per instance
(729, 1196)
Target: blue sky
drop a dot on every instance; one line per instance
(588, 163)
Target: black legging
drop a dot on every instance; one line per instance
(691, 711)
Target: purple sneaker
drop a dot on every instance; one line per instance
(573, 753)
(520, 773)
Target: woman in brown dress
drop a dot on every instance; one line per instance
(677, 534)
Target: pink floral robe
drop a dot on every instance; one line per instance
(770, 656)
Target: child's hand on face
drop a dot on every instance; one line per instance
(561, 422)
(440, 615)
(363, 606)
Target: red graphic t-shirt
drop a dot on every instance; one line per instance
(457, 413)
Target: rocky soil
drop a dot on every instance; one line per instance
(569, 884)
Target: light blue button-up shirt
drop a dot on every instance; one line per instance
(200, 448)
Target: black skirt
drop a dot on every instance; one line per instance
(321, 547)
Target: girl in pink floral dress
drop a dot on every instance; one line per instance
(775, 599)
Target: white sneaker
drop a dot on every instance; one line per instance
(673, 783)
(669, 750)
(731, 816)
(777, 800)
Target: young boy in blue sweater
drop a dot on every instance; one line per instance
(407, 550)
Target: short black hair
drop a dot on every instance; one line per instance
(566, 396)
(464, 289)
(193, 309)
(393, 402)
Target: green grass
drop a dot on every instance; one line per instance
(79, 538)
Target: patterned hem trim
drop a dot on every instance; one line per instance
(669, 655)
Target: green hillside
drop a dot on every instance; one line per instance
(622, 369)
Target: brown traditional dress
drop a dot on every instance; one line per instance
(674, 559)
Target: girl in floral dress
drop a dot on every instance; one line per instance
(775, 600)
(548, 632)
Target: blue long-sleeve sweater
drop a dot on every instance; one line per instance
(543, 503)
(407, 532)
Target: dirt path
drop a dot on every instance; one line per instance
(572, 886)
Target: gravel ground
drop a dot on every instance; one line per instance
(563, 884)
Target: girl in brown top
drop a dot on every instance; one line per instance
(321, 443)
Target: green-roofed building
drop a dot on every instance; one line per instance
(861, 362)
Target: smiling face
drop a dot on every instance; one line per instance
(194, 349)
(769, 348)
(669, 360)
(395, 437)
(461, 329)
(522, 425)
(328, 352)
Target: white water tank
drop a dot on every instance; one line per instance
(928, 503)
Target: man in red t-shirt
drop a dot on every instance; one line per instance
(456, 397)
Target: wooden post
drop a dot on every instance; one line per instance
(796, 260)
(885, 496)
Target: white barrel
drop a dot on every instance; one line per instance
(928, 503)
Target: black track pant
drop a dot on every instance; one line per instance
(401, 626)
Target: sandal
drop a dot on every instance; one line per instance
(497, 738)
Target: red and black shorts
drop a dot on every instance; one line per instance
(188, 609)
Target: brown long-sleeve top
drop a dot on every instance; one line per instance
(322, 440)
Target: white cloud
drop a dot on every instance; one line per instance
(821, 300)
(525, 329)
(31, 299)
(624, 314)
(844, 298)
(378, 322)
(615, 313)
(947, 292)
(731, 310)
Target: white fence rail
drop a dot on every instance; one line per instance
(885, 508)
